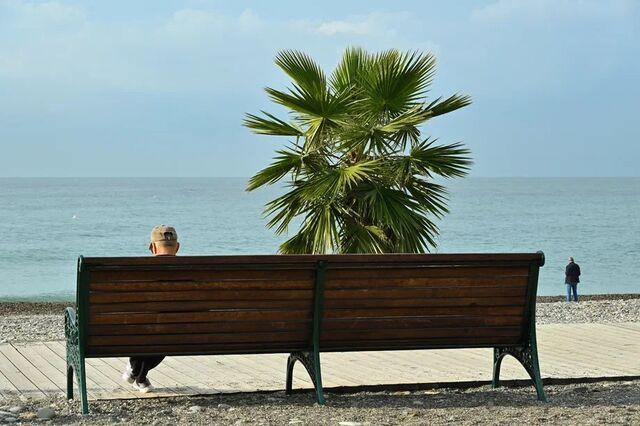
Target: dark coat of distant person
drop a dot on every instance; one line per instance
(572, 273)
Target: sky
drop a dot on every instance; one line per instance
(121, 88)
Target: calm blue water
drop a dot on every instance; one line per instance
(46, 223)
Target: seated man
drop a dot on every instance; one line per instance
(164, 242)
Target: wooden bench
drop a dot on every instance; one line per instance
(303, 305)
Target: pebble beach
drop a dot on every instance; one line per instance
(599, 402)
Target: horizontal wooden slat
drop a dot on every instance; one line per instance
(327, 325)
(201, 327)
(208, 338)
(410, 312)
(431, 293)
(311, 260)
(436, 282)
(196, 349)
(229, 284)
(340, 346)
(297, 304)
(391, 302)
(420, 322)
(201, 306)
(459, 271)
(436, 343)
(158, 296)
(160, 318)
(418, 333)
(199, 275)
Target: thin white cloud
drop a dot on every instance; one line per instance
(196, 22)
(42, 15)
(510, 10)
(343, 27)
(370, 25)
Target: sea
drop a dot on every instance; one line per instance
(45, 223)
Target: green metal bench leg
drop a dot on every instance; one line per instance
(497, 363)
(528, 357)
(82, 386)
(311, 362)
(69, 382)
(79, 367)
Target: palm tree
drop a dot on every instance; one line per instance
(359, 173)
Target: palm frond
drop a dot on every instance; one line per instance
(398, 81)
(318, 233)
(271, 125)
(450, 104)
(353, 65)
(288, 161)
(329, 184)
(303, 70)
(431, 197)
(359, 238)
(445, 160)
(285, 208)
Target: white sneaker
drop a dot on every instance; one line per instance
(128, 374)
(143, 387)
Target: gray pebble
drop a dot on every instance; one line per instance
(15, 409)
(195, 408)
(10, 420)
(45, 413)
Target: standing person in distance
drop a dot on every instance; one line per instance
(164, 242)
(572, 278)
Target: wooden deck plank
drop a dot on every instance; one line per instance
(583, 348)
(59, 365)
(31, 352)
(190, 375)
(633, 326)
(348, 368)
(241, 378)
(28, 368)
(17, 378)
(7, 389)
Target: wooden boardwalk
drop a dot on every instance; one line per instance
(567, 351)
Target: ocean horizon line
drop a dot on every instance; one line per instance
(249, 177)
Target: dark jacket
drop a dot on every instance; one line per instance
(572, 273)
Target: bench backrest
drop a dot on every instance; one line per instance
(270, 304)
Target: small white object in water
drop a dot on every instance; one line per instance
(74, 217)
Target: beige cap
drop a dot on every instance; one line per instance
(164, 234)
